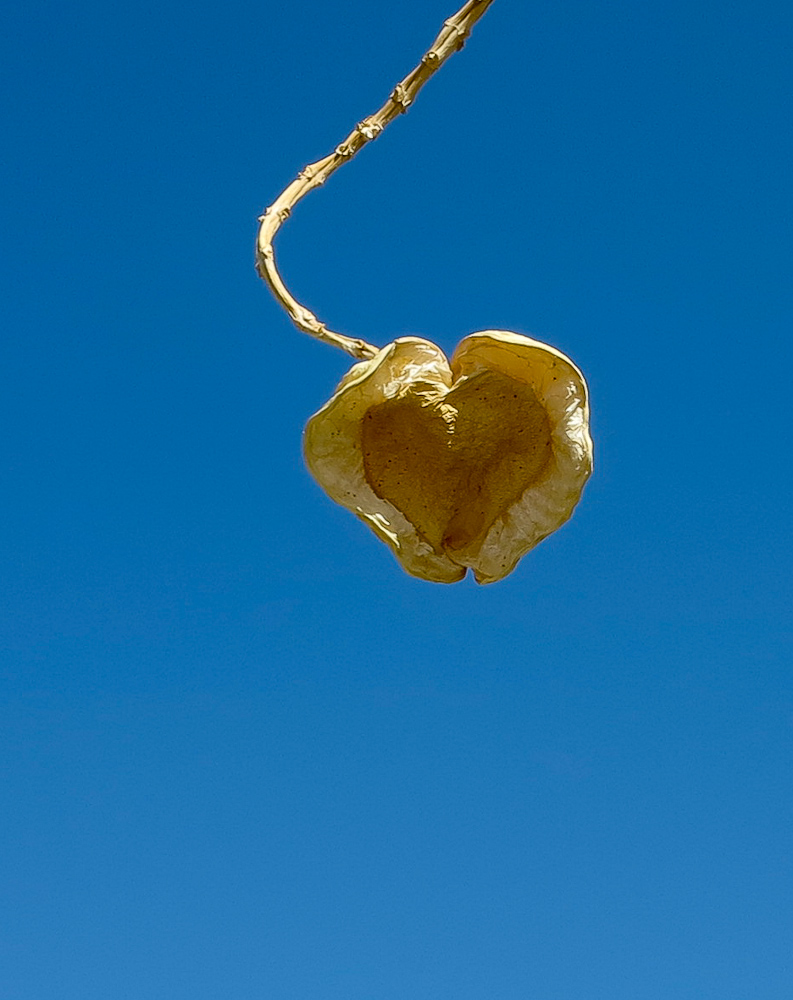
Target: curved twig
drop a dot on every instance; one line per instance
(451, 38)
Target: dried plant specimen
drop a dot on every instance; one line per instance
(456, 464)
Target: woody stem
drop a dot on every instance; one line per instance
(450, 39)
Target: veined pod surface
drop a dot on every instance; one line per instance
(461, 463)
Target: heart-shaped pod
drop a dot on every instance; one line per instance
(458, 465)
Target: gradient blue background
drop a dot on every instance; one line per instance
(242, 755)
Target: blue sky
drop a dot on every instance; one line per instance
(243, 755)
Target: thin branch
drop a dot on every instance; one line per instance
(451, 38)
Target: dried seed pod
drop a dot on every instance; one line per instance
(455, 465)
(461, 464)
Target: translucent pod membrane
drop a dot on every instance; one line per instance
(458, 464)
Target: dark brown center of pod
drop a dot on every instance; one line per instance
(452, 462)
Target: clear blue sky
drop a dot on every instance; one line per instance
(242, 755)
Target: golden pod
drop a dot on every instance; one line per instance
(460, 463)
